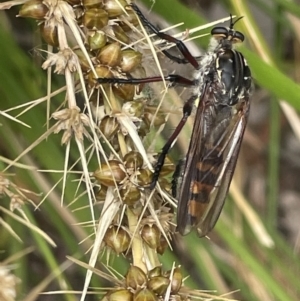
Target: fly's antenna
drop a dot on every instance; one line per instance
(233, 23)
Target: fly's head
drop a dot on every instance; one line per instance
(227, 36)
(232, 76)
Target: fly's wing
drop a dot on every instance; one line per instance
(224, 175)
(212, 156)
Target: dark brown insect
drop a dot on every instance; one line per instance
(222, 84)
(224, 89)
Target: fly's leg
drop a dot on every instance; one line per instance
(187, 110)
(188, 58)
(174, 79)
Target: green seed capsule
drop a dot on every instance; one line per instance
(117, 239)
(130, 60)
(114, 8)
(110, 174)
(155, 272)
(131, 18)
(35, 9)
(145, 295)
(163, 245)
(109, 126)
(92, 3)
(118, 295)
(49, 34)
(95, 18)
(130, 195)
(144, 177)
(134, 160)
(110, 55)
(97, 39)
(176, 280)
(101, 71)
(120, 34)
(134, 108)
(124, 92)
(151, 235)
(159, 285)
(135, 278)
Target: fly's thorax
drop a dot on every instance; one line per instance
(229, 71)
(201, 75)
(205, 65)
(247, 77)
(232, 77)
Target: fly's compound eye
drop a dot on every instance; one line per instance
(219, 33)
(225, 33)
(238, 37)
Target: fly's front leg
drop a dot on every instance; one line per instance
(187, 110)
(188, 58)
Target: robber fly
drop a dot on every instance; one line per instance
(222, 83)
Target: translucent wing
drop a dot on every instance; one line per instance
(212, 155)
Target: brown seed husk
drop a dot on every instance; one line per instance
(130, 195)
(35, 9)
(109, 126)
(135, 278)
(157, 271)
(97, 39)
(110, 55)
(49, 34)
(95, 18)
(110, 174)
(119, 295)
(130, 60)
(134, 160)
(159, 285)
(151, 235)
(114, 8)
(117, 239)
(145, 295)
